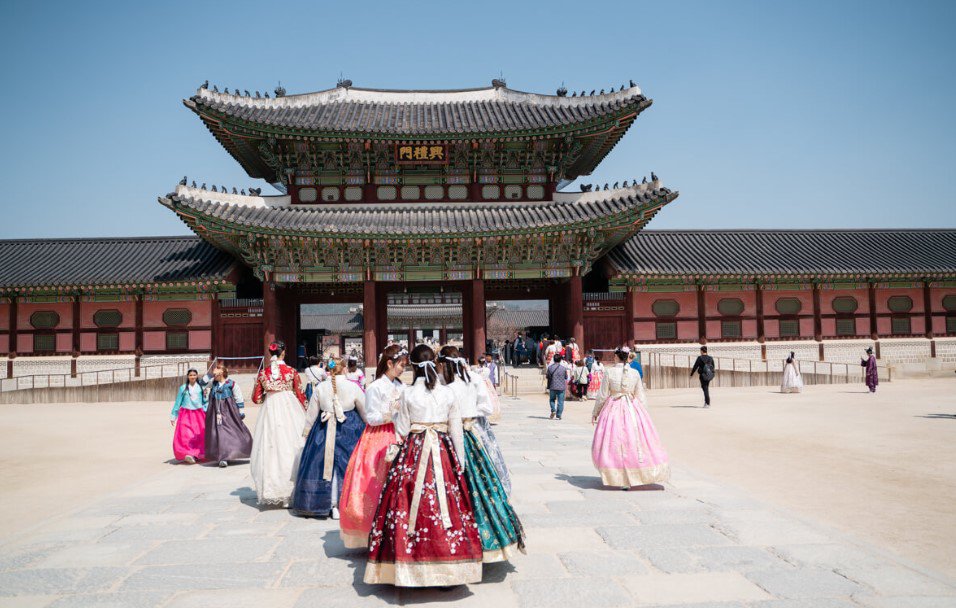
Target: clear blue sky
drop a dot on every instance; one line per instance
(766, 114)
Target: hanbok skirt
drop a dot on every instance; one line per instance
(227, 437)
(189, 436)
(595, 382)
(432, 555)
(792, 382)
(626, 449)
(495, 402)
(498, 524)
(314, 495)
(275, 446)
(363, 483)
(490, 443)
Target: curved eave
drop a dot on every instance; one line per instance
(602, 133)
(627, 220)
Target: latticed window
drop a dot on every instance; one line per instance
(901, 325)
(535, 192)
(951, 324)
(730, 329)
(107, 318)
(730, 307)
(386, 193)
(846, 327)
(44, 343)
(788, 306)
(900, 304)
(308, 195)
(434, 193)
(330, 194)
(177, 317)
(177, 340)
(789, 328)
(490, 192)
(949, 303)
(411, 193)
(107, 342)
(512, 192)
(44, 319)
(666, 331)
(353, 194)
(845, 304)
(457, 193)
(665, 308)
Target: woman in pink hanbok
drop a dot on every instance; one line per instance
(626, 449)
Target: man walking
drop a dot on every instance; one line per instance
(704, 366)
(557, 377)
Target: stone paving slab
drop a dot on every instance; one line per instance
(193, 536)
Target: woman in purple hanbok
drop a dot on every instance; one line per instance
(872, 379)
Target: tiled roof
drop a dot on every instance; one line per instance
(505, 318)
(418, 219)
(786, 252)
(402, 315)
(358, 110)
(110, 261)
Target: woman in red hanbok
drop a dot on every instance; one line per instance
(424, 532)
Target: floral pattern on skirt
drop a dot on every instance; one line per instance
(313, 495)
(498, 524)
(189, 439)
(363, 483)
(626, 449)
(433, 555)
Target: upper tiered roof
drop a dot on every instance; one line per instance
(242, 123)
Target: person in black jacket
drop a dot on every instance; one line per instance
(704, 366)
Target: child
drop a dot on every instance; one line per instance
(188, 417)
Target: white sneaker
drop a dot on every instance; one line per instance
(335, 512)
(189, 459)
(223, 464)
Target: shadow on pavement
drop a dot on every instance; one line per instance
(938, 416)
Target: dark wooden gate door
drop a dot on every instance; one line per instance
(603, 330)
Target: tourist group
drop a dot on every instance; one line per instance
(413, 473)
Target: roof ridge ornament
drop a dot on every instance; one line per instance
(499, 83)
(562, 91)
(343, 83)
(280, 91)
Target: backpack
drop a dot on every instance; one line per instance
(707, 371)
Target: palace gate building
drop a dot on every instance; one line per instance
(408, 198)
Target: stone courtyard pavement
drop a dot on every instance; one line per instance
(192, 536)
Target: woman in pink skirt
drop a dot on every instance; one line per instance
(189, 418)
(365, 475)
(626, 449)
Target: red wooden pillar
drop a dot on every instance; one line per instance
(76, 325)
(12, 336)
(138, 332)
(381, 313)
(477, 318)
(630, 311)
(370, 325)
(216, 338)
(411, 338)
(817, 321)
(761, 334)
(270, 316)
(928, 311)
(576, 311)
(443, 335)
(874, 331)
(701, 315)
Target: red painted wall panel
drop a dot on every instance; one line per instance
(154, 341)
(88, 342)
(127, 341)
(200, 340)
(64, 309)
(88, 309)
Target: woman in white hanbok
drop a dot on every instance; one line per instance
(277, 440)
(792, 381)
